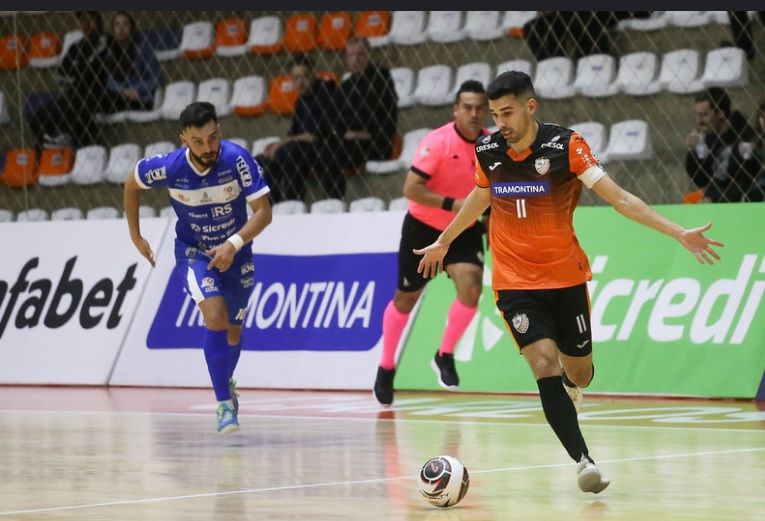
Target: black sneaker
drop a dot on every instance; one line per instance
(443, 365)
(384, 385)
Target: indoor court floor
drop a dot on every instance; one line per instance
(134, 454)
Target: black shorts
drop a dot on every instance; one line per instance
(562, 315)
(415, 234)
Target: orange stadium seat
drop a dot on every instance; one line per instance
(20, 167)
(12, 53)
(301, 33)
(372, 23)
(282, 95)
(693, 197)
(334, 30)
(56, 161)
(43, 48)
(230, 35)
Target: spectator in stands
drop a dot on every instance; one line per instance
(757, 191)
(307, 148)
(720, 159)
(368, 107)
(68, 118)
(134, 71)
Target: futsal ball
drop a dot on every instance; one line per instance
(443, 481)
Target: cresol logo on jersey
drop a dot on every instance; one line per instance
(315, 303)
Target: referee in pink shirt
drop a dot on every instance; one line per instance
(441, 176)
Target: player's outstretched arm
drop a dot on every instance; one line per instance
(433, 256)
(131, 201)
(636, 209)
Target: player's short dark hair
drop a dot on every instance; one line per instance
(303, 60)
(717, 97)
(197, 114)
(511, 82)
(474, 86)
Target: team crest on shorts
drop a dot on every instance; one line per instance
(542, 165)
(521, 322)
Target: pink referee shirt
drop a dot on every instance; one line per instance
(447, 160)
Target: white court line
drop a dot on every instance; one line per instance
(361, 482)
(435, 419)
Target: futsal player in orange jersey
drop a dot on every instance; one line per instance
(531, 174)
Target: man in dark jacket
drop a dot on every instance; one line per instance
(720, 157)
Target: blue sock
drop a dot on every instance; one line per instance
(217, 356)
(234, 352)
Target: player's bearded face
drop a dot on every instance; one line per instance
(206, 159)
(203, 143)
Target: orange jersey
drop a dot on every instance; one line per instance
(533, 197)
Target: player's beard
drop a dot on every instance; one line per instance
(206, 163)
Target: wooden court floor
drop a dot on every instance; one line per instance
(139, 454)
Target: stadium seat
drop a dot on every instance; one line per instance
(726, 67)
(399, 203)
(6, 216)
(260, 144)
(628, 140)
(145, 211)
(408, 27)
(166, 41)
(89, 165)
(147, 116)
(289, 207)
(55, 166)
(516, 65)
(177, 96)
(240, 141)
(159, 147)
(403, 80)
(680, 71)
(409, 146)
(197, 41)
(70, 213)
(372, 24)
(70, 38)
(638, 73)
(484, 25)
(367, 204)
(688, 18)
(102, 212)
(657, 20)
(218, 92)
(43, 49)
(266, 34)
(230, 37)
(514, 21)
(122, 161)
(594, 134)
(719, 17)
(479, 71)
(282, 95)
(249, 96)
(330, 205)
(4, 116)
(13, 55)
(20, 167)
(554, 78)
(445, 26)
(301, 33)
(334, 30)
(595, 76)
(32, 215)
(433, 85)
(167, 211)
(693, 197)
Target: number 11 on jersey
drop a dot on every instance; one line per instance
(520, 206)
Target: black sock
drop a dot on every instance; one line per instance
(561, 415)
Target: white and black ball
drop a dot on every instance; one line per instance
(443, 481)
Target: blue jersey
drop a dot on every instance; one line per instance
(211, 205)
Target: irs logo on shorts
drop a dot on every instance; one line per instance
(521, 322)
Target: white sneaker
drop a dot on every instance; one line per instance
(575, 393)
(590, 478)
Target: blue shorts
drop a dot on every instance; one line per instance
(235, 285)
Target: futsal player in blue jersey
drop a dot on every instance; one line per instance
(210, 182)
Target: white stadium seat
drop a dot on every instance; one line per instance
(680, 71)
(367, 204)
(403, 80)
(289, 207)
(399, 203)
(638, 74)
(657, 20)
(70, 213)
(628, 140)
(434, 83)
(260, 144)
(408, 148)
(479, 71)
(177, 96)
(595, 76)
(265, 31)
(726, 67)
(147, 116)
(719, 17)
(445, 26)
(159, 147)
(6, 216)
(249, 91)
(70, 38)
(516, 65)
(32, 215)
(554, 78)
(197, 36)
(89, 165)
(329, 205)
(218, 92)
(122, 160)
(594, 134)
(484, 25)
(407, 27)
(102, 212)
(688, 18)
(515, 20)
